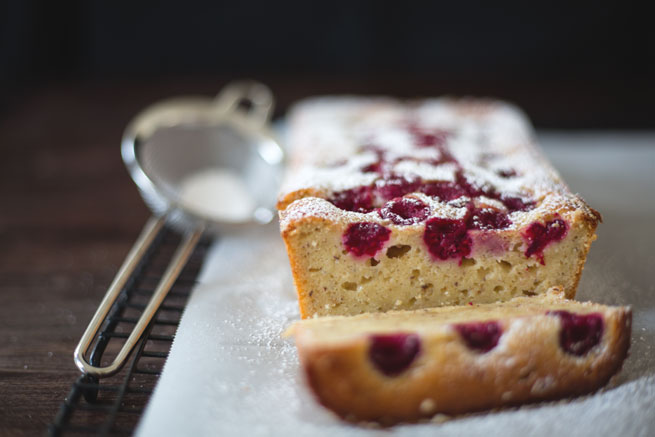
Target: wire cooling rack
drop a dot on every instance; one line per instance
(113, 406)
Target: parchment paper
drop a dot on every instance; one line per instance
(230, 373)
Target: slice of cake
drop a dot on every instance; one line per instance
(406, 365)
(391, 205)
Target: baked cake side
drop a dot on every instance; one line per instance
(391, 205)
(407, 365)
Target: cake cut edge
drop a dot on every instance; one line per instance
(415, 279)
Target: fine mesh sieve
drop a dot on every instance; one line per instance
(202, 166)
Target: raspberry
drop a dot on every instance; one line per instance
(393, 353)
(480, 336)
(365, 238)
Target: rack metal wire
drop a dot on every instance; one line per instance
(113, 405)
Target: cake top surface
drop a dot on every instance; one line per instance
(351, 156)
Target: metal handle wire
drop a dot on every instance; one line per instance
(145, 240)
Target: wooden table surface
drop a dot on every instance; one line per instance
(69, 211)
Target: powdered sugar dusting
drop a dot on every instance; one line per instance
(426, 171)
(483, 136)
(322, 209)
(345, 143)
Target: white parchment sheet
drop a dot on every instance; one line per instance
(230, 374)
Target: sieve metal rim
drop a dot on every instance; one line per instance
(198, 111)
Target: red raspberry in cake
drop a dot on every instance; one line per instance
(579, 332)
(443, 190)
(392, 186)
(506, 173)
(436, 138)
(376, 167)
(488, 219)
(358, 199)
(428, 137)
(365, 238)
(480, 336)
(447, 238)
(405, 211)
(393, 353)
(380, 165)
(540, 235)
(516, 203)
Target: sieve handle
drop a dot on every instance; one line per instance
(152, 227)
(258, 95)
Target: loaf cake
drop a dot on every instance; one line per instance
(407, 205)
(407, 365)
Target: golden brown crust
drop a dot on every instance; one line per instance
(590, 220)
(448, 378)
(285, 200)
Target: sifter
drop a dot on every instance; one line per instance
(203, 166)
